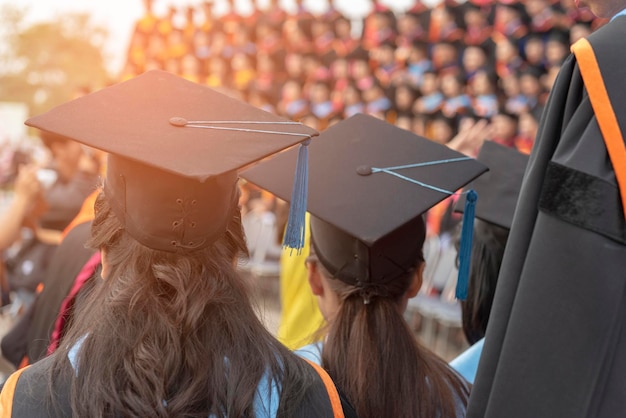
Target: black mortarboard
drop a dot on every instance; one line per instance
(366, 222)
(499, 188)
(174, 150)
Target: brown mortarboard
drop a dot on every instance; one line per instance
(174, 150)
(499, 188)
(369, 184)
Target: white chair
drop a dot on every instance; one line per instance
(432, 252)
(264, 251)
(435, 304)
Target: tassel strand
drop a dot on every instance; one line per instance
(295, 232)
(465, 250)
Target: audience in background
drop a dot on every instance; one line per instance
(478, 58)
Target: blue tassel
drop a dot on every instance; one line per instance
(465, 251)
(296, 228)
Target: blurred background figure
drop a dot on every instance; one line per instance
(46, 201)
(498, 190)
(23, 265)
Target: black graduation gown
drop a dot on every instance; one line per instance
(556, 340)
(30, 397)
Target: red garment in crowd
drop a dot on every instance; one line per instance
(85, 274)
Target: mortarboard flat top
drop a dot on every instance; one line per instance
(368, 206)
(366, 224)
(136, 119)
(498, 189)
(174, 148)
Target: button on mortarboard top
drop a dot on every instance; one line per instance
(499, 188)
(364, 170)
(172, 142)
(369, 181)
(178, 121)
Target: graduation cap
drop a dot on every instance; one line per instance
(499, 188)
(369, 184)
(174, 150)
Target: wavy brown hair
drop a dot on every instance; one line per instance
(172, 334)
(373, 356)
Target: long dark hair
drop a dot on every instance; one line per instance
(488, 246)
(172, 334)
(373, 356)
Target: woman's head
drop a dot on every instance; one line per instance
(161, 325)
(122, 252)
(167, 211)
(374, 234)
(172, 330)
(373, 267)
(366, 201)
(343, 268)
(367, 338)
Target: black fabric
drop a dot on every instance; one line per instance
(348, 410)
(142, 119)
(366, 224)
(345, 190)
(30, 399)
(368, 267)
(70, 258)
(498, 189)
(30, 335)
(318, 397)
(65, 198)
(583, 200)
(14, 342)
(27, 268)
(555, 340)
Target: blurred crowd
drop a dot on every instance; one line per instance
(43, 187)
(428, 70)
(434, 71)
(425, 69)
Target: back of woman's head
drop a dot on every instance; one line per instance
(371, 241)
(171, 334)
(374, 357)
(170, 331)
